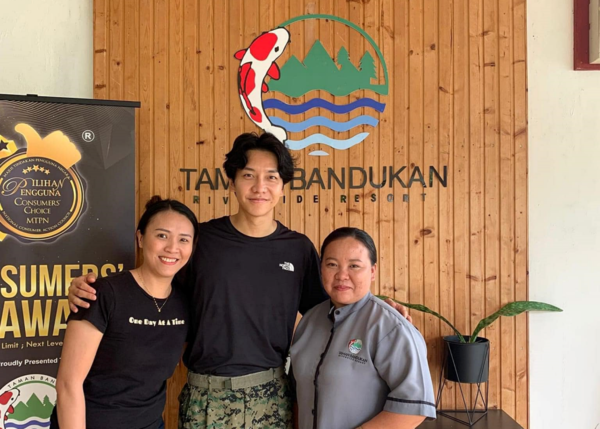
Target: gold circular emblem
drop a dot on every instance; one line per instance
(39, 198)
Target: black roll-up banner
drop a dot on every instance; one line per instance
(67, 207)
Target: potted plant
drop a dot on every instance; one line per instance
(467, 356)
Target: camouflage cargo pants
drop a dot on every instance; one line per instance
(266, 406)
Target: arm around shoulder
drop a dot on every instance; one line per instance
(79, 290)
(313, 292)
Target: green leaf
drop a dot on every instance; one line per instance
(512, 309)
(420, 307)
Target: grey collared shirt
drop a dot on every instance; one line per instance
(349, 364)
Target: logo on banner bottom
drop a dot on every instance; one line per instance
(27, 402)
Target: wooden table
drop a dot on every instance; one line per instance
(495, 419)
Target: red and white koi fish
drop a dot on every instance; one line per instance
(7, 399)
(257, 62)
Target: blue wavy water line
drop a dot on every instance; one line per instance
(321, 121)
(319, 153)
(320, 138)
(11, 425)
(294, 109)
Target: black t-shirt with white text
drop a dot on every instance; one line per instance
(139, 351)
(245, 295)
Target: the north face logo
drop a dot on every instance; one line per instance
(287, 266)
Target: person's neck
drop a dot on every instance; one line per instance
(253, 226)
(158, 287)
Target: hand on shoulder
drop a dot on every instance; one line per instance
(399, 308)
(79, 290)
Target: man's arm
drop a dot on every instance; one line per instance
(313, 292)
(79, 290)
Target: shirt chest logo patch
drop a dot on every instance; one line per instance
(287, 266)
(355, 346)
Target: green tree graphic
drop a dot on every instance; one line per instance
(319, 71)
(343, 59)
(33, 408)
(367, 67)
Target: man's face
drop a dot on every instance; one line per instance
(258, 185)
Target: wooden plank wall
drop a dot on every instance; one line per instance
(457, 98)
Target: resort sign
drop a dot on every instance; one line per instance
(323, 102)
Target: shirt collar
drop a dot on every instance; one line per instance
(338, 315)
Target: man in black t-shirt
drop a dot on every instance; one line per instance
(250, 276)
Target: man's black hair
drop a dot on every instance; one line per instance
(237, 157)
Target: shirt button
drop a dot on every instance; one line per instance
(337, 311)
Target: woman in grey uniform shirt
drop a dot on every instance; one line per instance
(356, 362)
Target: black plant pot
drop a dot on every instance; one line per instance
(467, 362)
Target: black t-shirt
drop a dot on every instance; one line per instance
(139, 351)
(246, 293)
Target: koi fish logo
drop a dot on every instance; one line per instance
(257, 62)
(355, 346)
(7, 399)
(333, 74)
